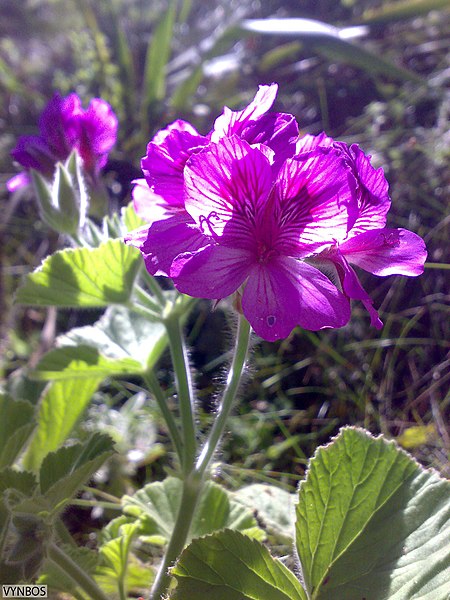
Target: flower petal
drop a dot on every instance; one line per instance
(315, 199)
(59, 124)
(233, 122)
(278, 131)
(227, 183)
(166, 157)
(286, 292)
(17, 182)
(310, 142)
(374, 201)
(386, 252)
(147, 205)
(213, 272)
(32, 152)
(97, 135)
(163, 241)
(354, 290)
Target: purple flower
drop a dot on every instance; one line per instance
(255, 210)
(258, 230)
(368, 244)
(163, 168)
(64, 126)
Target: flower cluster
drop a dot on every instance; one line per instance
(255, 209)
(64, 127)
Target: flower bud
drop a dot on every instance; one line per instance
(63, 204)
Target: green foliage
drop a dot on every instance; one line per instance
(30, 509)
(156, 507)
(158, 52)
(368, 518)
(16, 425)
(58, 580)
(401, 9)
(61, 406)
(273, 505)
(331, 43)
(371, 518)
(83, 362)
(63, 204)
(120, 343)
(83, 277)
(231, 566)
(118, 570)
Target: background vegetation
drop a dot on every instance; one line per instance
(160, 60)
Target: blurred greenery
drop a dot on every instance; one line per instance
(161, 60)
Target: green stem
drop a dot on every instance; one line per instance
(192, 487)
(75, 572)
(233, 380)
(146, 299)
(154, 387)
(193, 482)
(185, 390)
(154, 287)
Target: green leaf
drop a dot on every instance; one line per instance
(121, 342)
(61, 406)
(156, 61)
(333, 43)
(122, 334)
(183, 94)
(22, 481)
(82, 362)
(63, 472)
(371, 519)
(231, 566)
(130, 219)
(16, 424)
(274, 506)
(83, 277)
(405, 9)
(156, 506)
(57, 580)
(118, 568)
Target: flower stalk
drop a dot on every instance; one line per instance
(195, 477)
(233, 381)
(185, 389)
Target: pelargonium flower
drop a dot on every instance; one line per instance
(252, 209)
(64, 126)
(368, 244)
(258, 228)
(160, 195)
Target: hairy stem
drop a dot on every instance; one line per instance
(193, 479)
(192, 487)
(154, 387)
(229, 394)
(185, 391)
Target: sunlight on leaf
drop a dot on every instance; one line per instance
(62, 404)
(156, 506)
(231, 566)
(274, 506)
(118, 569)
(83, 277)
(332, 42)
(369, 518)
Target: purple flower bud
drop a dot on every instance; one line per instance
(64, 126)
